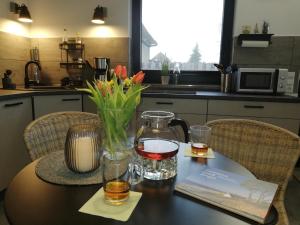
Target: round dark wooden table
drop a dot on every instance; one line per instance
(30, 200)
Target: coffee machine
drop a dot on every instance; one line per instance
(102, 68)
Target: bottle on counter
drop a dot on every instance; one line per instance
(176, 73)
(265, 29)
(65, 36)
(78, 38)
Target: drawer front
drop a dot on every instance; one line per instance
(174, 105)
(56, 103)
(289, 124)
(192, 119)
(254, 109)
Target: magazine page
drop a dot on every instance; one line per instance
(243, 195)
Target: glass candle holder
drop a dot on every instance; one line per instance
(83, 148)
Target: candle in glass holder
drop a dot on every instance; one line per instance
(82, 148)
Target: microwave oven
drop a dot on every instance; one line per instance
(261, 80)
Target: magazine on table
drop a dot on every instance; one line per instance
(242, 195)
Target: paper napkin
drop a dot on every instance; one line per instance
(98, 207)
(188, 153)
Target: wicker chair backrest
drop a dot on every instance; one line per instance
(48, 133)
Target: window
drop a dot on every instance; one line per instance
(190, 35)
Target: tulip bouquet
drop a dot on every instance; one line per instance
(116, 101)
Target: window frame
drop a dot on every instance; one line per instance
(226, 42)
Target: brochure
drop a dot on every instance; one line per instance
(243, 195)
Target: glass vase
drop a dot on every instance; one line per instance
(118, 128)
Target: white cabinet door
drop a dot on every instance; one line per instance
(192, 119)
(286, 115)
(56, 103)
(289, 124)
(15, 115)
(254, 109)
(175, 105)
(192, 110)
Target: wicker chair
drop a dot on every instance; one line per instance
(48, 133)
(268, 151)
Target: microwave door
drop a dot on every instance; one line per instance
(256, 81)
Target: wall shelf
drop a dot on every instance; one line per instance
(72, 54)
(254, 40)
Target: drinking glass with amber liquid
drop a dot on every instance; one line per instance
(200, 136)
(119, 173)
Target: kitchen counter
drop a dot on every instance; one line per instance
(18, 93)
(162, 91)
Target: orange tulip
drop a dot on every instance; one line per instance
(138, 78)
(124, 73)
(100, 85)
(103, 88)
(118, 71)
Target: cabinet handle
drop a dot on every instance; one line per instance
(13, 104)
(70, 99)
(164, 103)
(254, 106)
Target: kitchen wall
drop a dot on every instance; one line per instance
(50, 55)
(14, 43)
(51, 17)
(283, 17)
(284, 52)
(46, 31)
(112, 40)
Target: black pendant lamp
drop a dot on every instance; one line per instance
(99, 15)
(24, 15)
(22, 11)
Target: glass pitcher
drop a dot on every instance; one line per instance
(157, 144)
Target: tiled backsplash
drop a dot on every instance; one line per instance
(15, 52)
(284, 52)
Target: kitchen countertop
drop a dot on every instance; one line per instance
(161, 91)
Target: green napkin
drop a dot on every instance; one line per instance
(188, 153)
(97, 206)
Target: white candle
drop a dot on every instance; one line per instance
(84, 154)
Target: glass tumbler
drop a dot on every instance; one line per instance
(83, 148)
(200, 135)
(120, 171)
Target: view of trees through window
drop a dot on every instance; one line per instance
(185, 33)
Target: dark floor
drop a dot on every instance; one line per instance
(292, 201)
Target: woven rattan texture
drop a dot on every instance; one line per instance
(48, 133)
(268, 151)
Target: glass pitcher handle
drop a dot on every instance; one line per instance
(184, 126)
(136, 170)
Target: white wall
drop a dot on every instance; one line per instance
(282, 15)
(52, 16)
(8, 21)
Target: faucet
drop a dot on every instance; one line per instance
(28, 82)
